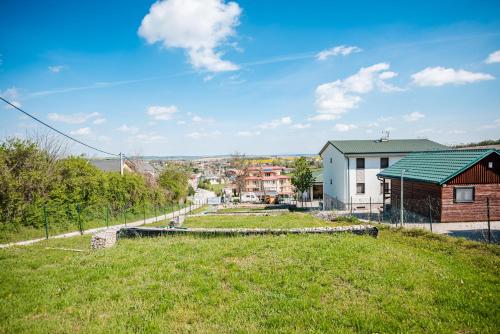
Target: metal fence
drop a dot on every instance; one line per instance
(53, 219)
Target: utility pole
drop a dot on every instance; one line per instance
(121, 164)
(402, 205)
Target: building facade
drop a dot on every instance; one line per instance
(350, 169)
(268, 181)
(448, 186)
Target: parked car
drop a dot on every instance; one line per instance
(249, 198)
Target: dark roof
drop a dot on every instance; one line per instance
(435, 167)
(384, 146)
(106, 165)
(318, 175)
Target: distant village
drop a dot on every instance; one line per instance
(359, 176)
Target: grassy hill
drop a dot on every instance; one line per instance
(403, 281)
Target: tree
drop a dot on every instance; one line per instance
(174, 179)
(302, 178)
(241, 164)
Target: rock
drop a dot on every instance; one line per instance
(104, 239)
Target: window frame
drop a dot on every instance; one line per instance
(364, 163)
(461, 188)
(364, 188)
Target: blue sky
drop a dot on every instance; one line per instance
(197, 77)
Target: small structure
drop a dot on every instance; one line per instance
(449, 186)
(104, 239)
(266, 181)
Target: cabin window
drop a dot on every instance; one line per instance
(384, 163)
(360, 163)
(331, 181)
(360, 188)
(463, 194)
(490, 164)
(331, 160)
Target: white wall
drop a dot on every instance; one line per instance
(335, 171)
(372, 184)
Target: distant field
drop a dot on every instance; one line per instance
(287, 220)
(252, 209)
(401, 282)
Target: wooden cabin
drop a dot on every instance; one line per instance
(449, 185)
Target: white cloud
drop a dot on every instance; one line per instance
(301, 126)
(147, 138)
(342, 50)
(198, 26)
(276, 122)
(203, 134)
(12, 95)
(162, 113)
(337, 97)
(98, 121)
(494, 57)
(197, 119)
(82, 132)
(127, 129)
(57, 68)
(344, 127)
(413, 116)
(439, 76)
(77, 118)
(248, 133)
(181, 122)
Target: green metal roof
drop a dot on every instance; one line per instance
(318, 175)
(385, 146)
(435, 166)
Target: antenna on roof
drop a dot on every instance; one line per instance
(385, 135)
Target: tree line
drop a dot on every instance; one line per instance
(33, 175)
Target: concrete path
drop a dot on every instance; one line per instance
(94, 230)
(475, 231)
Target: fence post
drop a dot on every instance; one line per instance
(125, 215)
(370, 218)
(488, 215)
(79, 219)
(46, 222)
(351, 205)
(430, 212)
(107, 216)
(156, 215)
(144, 210)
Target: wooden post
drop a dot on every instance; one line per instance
(430, 212)
(351, 205)
(488, 216)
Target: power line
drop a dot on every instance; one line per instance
(54, 129)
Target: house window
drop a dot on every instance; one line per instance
(384, 163)
(463, 194)
(331, 181)
(331, 160)
(490, 164)
(360, 188)
(360, 163)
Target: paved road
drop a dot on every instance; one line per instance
(94, 230)
(475, 231)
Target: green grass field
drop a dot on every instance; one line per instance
(286, 220)
(403, 281)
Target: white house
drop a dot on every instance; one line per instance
(350, 169)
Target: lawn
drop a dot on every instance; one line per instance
(286, 220)
(241, 209)
(400, 282)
